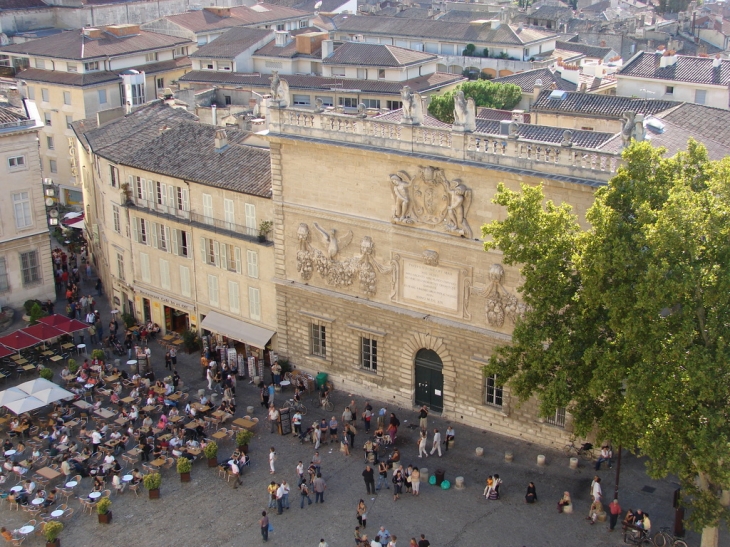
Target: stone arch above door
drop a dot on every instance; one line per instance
(412, 346)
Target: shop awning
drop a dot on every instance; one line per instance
(236, 329)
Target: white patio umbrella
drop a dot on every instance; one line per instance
(52, 394)
(33, 386)
(11, 394)
(25, 405)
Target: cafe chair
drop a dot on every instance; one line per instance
(135, 488)
(170, 462)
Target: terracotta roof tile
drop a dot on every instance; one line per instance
(526, 80)
(687, 69)
(204, 20)
(547, 134)
(604, 106)
(357, 53)
(702, 121)
(232, 43)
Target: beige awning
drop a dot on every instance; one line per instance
(237, 329)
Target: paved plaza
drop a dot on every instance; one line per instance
(207, 512)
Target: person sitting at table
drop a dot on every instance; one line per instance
(7, 445)
(150, 401)
(162, 422)
(7, 534)
(19, 469)
(136, 476)
(174, 412)
(157, 452)
(29, 486)
(108, 462)
(98, 483)
(134, 414)
(204, 400)
(147, 422)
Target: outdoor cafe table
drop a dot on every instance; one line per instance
(71, 484)
(174, 396)
(112, 378)
(16, 489)
(194, 451)
(128, 400)
(28, 367)
(72, 423)
(104, 413)
(16, 357)
(27, 529)
(219, 413)
(94, 495)
(57, 513)
(68, 346)
(219, 435)
(158, 462)
(175, 419)
(48, 473)
(201, 408)
(121, 420)
(134, 452)
(243, 422)
(82, 404)
(47, 353)
(127, 478)
(192, 425)
(38, 501)
(148, 408)
(10, 452)
(56, 358)
(159, 390)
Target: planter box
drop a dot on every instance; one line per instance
(105, 518)
(154, 494)
(184, 477)
(56, 543)
(212, 462)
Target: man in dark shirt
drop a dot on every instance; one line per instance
(369, 476)
(423, 542)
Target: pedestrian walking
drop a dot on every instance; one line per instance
(369, 478)
(449, 437)
(382, 476)
(99, 287)
(358, 537)
(416, 481)
(285, 494)
(173, 356)
(235, 471)
(333, 430)
(272, 460)
(367, 415)
(346, 416)
(319, 487)
(398, 483)
(350, 431)
(423, 418)
(353, 411)
(203, 364)
(271, 393)
(362, 514)
(316, 436)
(436, 442)
(168, 361)
(264, 525)
(422, 441)
(273, 419)
(271, 489)
(614, 511)
(300, 470)
(596, 490)
(531, 495)
(423, 542)
(344, 444)
(393, 541)
(384, 536)
(323, 428)
(280, 499)
(323, 543)
(264, 394)
(304, 493)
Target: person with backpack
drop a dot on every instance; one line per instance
(304, 493)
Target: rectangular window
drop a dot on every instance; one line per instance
(213, 290)
(30, 268)
(44, 95)
(165, 274)
(150, 57)
(301, 100)
(227, 99)
(558, 418)
(252, 264)
(185, 281)
(162, 237)
(225, 66)
(234, 299)
(40, 63)
(183, 199)
(21, 205)
(208, 208)
(140, 230)
(31, 93)
(362, 73)
(53, 166)
(161, 193)
(369, 354)
(493, 392)
(229, 256)
(210, 251)
(394, 105)
(280, 27)
(669, 90)
(102, 96)
(69, 121)
(303, 24)
(318, 340)
(180, 243)
(326, 100)
(144, 266)
(338, 71)
(113, 176)
(700, 96)
(72, 67)
(66, 97)
(47, 119)
(16, 162)
(49, 142)
(381, 74)
(91, 66)
(348, 102)
(250, 216)
(117, 221)
(4, 282)
(230, 213)
(254, 304)
(160, 83)
(120, 266)
(371, 103)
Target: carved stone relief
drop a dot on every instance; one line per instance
(500, 303)
(430, 198)
(340, 273)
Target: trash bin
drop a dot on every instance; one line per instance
(440, 476)
(321, 379)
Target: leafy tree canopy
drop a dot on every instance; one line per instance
(484, 93)
(629, 320)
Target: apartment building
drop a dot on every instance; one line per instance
(177, 212)
(26, 270)
(75, 74)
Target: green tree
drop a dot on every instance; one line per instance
(484, 93)
(36, 312)
(628, 320)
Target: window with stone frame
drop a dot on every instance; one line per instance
(494, 395)
(318, 339)
(369, 354)
(557, 419)
(30, 268)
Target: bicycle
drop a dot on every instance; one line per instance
(325, 403)
(295, 406)
(636, 536)
(585, 450)
(664, 538)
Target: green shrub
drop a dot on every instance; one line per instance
(244, 437)
(191, 340)
(152, 481)
(52, 530)
(47, 374)
(211, 450)
(184, 465)
(103, 506)
(73, 366)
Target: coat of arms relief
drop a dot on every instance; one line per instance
(428, 198)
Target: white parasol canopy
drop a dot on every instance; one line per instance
(11, 394)
(53, 394)
(25, 405)
(38, 384)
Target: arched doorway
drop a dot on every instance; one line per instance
(429, 380)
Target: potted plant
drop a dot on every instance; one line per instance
(152, 483)
(191, 340)
(184, 466)
(73, 366)
(47, 374)
(211, 452)
(51, 531)
(103, 510)
(36, 312)
(264, 228)
(244, 437)
(98, 354)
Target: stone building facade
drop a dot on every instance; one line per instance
(382, 279)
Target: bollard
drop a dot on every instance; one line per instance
(540, 460)
(249, 410)
(574, 463)
(601, 517)
(508, 456)
(480, 451)
(424, 474)
(459, 483)
(256, 380)
(568, 508)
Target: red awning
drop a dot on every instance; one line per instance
(53, 320)
(4, 352)
(43, 331)
(19, 340)
(64, 323)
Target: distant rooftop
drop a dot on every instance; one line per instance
(697, 70)
(377, 55)
(603, 106)
(233, 42)
(207, 20)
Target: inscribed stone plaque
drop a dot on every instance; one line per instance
(435, 286)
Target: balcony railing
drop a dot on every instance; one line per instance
(221, 226)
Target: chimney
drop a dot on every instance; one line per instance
(221, 140)
(214, 115)
(308, 42)
(668, 59)
(122, 30)
(537, 89)
(282, 38)
(14, 97)
(328, 47)
(603, 43)
(220, 12)
(91, 32)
